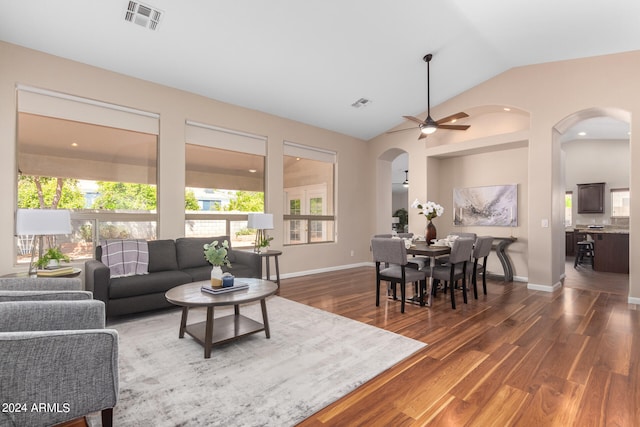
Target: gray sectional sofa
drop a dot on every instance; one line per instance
(171, 263)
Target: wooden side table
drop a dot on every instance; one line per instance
(275, 254)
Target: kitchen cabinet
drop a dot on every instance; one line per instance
(570, 243)
(612, 252)
(591, 198)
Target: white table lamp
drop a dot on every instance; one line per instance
(260, 222)
(39, 223)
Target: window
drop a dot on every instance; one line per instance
(568, 209)
(224, 181)
(96, 159)
(620, 202)
(309, 195)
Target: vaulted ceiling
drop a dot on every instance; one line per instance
(310, 60)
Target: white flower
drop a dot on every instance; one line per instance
(429, 209)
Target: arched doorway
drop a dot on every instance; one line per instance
(595, 151)
(391, 194)
(400, 193)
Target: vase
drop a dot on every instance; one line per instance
(216, 276)
(430, 233)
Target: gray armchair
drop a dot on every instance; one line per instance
(58, 360)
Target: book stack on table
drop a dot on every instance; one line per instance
(236, 287)
(55, 271)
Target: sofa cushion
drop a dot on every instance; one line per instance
(190, 250)
(124, 287)
(162, 255)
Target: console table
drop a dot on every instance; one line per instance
(500, 248)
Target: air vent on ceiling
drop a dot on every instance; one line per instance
(143, 15)
(362, 102)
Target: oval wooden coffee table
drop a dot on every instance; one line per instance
(227, 328)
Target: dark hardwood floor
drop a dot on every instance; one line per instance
(512, 357)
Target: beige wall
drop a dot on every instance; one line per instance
(547, 94)
(31, 68)
(477, 170)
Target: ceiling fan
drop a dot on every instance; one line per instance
(404, 184)
(429, 125)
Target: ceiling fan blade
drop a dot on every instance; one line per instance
(456, 116)
(401, 130)
(454, 127)
(414, 119)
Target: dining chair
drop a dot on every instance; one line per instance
(481, 251)
(460, 234)
(456, 268)
(392, 252)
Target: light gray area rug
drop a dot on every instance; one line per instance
(312, 359)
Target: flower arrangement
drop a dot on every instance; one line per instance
(217, 253)
(429, 209)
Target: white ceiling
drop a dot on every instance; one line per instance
(310, 60)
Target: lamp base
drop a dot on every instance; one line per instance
(261, 235)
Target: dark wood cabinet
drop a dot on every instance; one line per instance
(591, 198)
(570, 244)
(612, 252)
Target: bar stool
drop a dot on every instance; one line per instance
(585, 250)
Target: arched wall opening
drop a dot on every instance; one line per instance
(384, 185)
(593, 146)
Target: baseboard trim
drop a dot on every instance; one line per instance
(325, 270)
(497, 276)
(633, 300)
(545, 288)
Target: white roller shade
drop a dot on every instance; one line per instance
(306, 152)
(54, 104)
(215, 137)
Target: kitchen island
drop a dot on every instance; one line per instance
(611, 247)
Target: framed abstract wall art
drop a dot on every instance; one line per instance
(495, 205)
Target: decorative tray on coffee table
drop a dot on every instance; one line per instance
(237, 286)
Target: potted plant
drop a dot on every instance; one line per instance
(264, 241)
(216, 254)
(52, 258)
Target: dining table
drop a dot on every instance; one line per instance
(432, 252)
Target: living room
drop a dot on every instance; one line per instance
(520, 147)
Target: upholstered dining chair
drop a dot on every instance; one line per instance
(456, 268)
(55, 349)
(481, 251)
(460, 234)
(392, 252)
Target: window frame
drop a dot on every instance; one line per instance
(618, 190)
(61, 106)
(311, 191)
(217, 138)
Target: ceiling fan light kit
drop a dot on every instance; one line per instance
(429, 125)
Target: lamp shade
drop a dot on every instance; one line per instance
(43, 222)
(260, 221)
